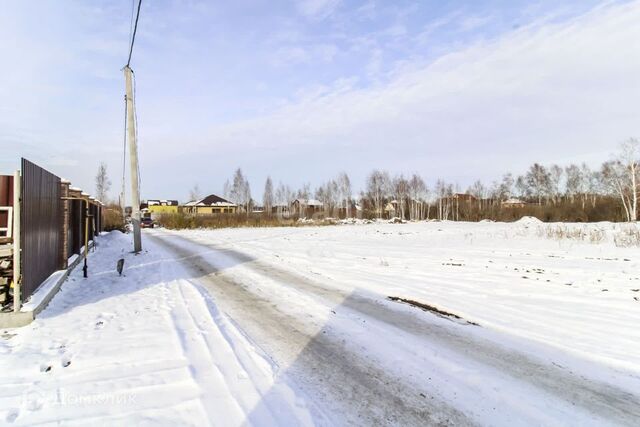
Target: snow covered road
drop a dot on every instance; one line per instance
(371, 361)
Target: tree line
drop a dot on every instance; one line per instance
(575, 192)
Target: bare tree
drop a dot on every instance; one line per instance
(613, 178)
(248, 201)
(377, 188)
(267, 196)
(505, 188)
(103, 183)
(522, 187)
(226, 190)
(282, 198)
(538, 181)
(401, 193)
(344, 185)
(240, 191)
(194, 193)
(623, 174)
(444, 193)
(417, 196)
(555, 178)
(478, 191)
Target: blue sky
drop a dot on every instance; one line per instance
(302, 90)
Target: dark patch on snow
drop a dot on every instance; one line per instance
(432, 309)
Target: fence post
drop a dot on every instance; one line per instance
(17, 188)
(65, 224)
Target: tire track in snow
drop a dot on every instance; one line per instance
(600, 399)
(321, 362)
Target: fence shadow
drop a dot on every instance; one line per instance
(141, 271)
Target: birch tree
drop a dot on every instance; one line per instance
(267, 196)
(240, 191)
(377, 187)
(344, 185)
(573, 184)
(505, 188)
(538, 181)
(103, 183)
(627, 175)
(417, 196)
(478, 191)
(613, 178)
(401, 193)
(555, 178)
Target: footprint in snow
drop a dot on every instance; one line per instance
(45, 367)
(12, 415)
(58, 346)
(65, 361)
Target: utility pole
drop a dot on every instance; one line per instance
(133, 156)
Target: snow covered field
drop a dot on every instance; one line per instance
(293, 326)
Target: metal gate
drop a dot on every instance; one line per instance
(41, 222)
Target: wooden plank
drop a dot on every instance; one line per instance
(6, 250)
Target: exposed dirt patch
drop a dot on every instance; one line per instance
(432, 309)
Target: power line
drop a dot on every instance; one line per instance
(133, 3)
(133, 37)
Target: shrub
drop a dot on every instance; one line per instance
(182, 220)
(113, 218)
(628, 236)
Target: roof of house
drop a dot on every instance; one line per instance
(308, 202)
(210, 200)
(156, 202)
(464, 196)
(513, 201)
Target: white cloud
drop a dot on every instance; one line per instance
(542, 93)
(473, 22)
(291, 55)
(317, 8)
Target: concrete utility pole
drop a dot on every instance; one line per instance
(133, 156)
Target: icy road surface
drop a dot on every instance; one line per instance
(293, 326)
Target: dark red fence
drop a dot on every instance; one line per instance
(52, 224)
(40, 224)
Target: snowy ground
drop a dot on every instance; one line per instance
(144, 349)
(292, 326)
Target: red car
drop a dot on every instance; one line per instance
(147, 223)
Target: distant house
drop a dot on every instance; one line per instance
(211, 204)
(161, 206)
(464, 197)
(513, 203)
(391, 209)
(306, 206)
(281, 209)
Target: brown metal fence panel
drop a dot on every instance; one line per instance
(41, 216)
